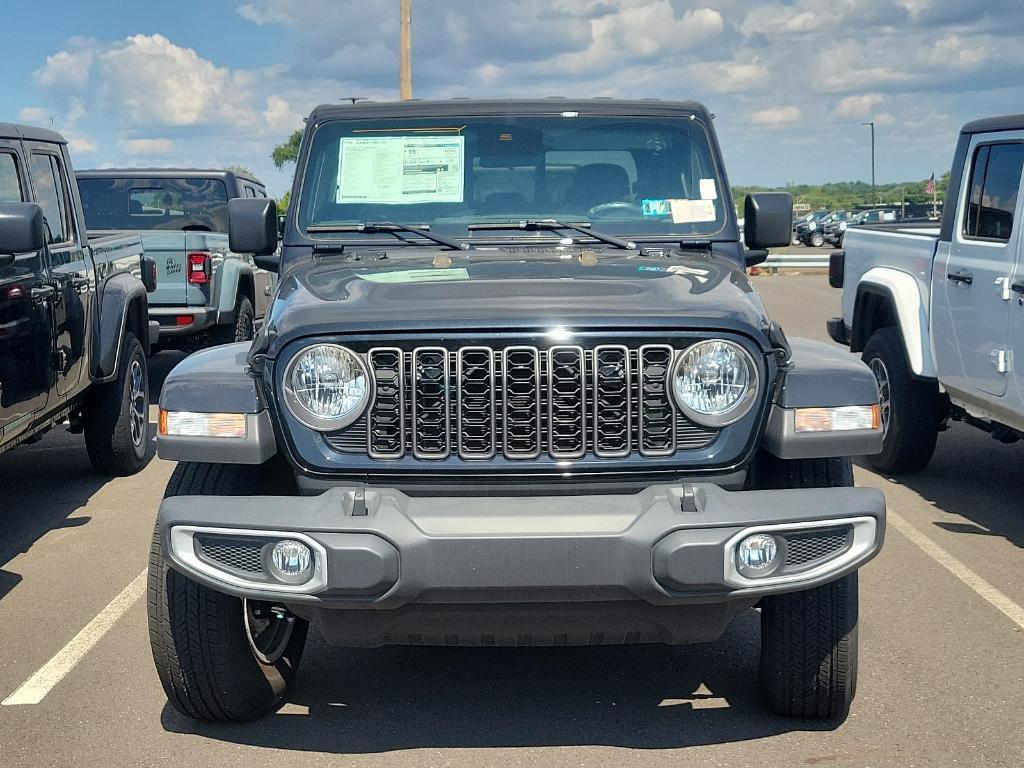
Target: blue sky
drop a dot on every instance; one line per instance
(221, 82)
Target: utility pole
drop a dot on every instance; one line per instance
(874, 198)
(406, 43)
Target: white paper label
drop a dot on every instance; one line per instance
(401, 169)
(708, 189)
(692, 211)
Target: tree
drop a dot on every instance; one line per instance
(282, 204)
(240, 169)
(287, 152)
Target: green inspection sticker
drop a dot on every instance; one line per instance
(416, 276)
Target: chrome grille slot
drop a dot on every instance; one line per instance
(386, 417)
(521, 403)
(613, 423)
(656, 419)
(431, 420)
(566, 403)
(476, 428)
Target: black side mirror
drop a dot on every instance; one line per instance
(768, 220)
(149, 273)
(252, 228)
(22, 229)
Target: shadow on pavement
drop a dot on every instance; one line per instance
(640, 697)
(46, 482)
(978, 478)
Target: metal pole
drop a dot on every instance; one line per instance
(874, 197)
(405, 74)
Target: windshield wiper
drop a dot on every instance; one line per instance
(534, 225)
(391, 228)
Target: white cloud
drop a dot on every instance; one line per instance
(34, 116)
(729, 76)
(147, 147)
(279, 115)
(81, 145)
(860, 106)
(777, 117)
(66, 69)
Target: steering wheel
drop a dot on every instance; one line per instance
(620, 206)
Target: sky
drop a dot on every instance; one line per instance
(220, 82)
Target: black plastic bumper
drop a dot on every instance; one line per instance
(668, 545)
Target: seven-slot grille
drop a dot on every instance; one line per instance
(519, 402)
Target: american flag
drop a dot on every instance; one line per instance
(930, 186)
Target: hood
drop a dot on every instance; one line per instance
(526, 288)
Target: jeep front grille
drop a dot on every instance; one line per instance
(519, 402)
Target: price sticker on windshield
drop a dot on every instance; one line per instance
(692, 211)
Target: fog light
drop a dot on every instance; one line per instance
(757, 553)
(291, 561)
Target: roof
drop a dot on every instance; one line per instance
(30, 133)
(165, 173)
(991, 124)
(481, 107)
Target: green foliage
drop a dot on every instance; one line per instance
(282, 204)
(287, 152)
(240, 169)
(849, 194)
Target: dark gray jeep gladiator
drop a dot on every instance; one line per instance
(514, 388)
(74, 333)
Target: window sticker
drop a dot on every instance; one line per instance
(401, 169)
(692, 211)
(708, 189)
(655, 207)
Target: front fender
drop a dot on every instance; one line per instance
(821, 376)
(904, 295)
(123, 306)
(217, 380)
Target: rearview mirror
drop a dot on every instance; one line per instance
(252, 228)
(22, 229)
(768, 220)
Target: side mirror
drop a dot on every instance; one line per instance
(149, 273)
(22, 229)
(768, 220)
(252, 228)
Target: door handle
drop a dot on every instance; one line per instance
(961, 277)
(43, 293)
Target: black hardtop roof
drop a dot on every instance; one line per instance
(165, 173)
(497, 107)
(991, 124)
(30, 133)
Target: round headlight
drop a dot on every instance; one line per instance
(714, 382)
(326, 387)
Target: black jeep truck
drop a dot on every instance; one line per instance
(514, 389)
(74, 333)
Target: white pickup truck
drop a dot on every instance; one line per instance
(938, 313)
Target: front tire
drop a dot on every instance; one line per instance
(219, 658)
(808, 666)
(244, 327)
(910, 407)
(115, 416)
(817, 240)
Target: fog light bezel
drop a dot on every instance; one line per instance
(182, 550)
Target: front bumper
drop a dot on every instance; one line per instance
(668, 545)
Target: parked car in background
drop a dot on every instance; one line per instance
(834, 226)
(938, 312)
(207, 294)
(874, 216)
(516, 389)
(74, 333)
(807, 224)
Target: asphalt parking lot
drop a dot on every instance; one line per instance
(942, 644)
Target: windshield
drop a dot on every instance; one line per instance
(630, 176)
(163, 204)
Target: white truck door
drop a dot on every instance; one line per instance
(978, 272)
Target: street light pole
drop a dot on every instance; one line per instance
(405, 74)
(874, 198)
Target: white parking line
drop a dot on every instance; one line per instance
(986, 591)
(33, 690)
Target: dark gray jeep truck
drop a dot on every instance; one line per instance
(514, 389)
(74, 333)
(207, 294)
